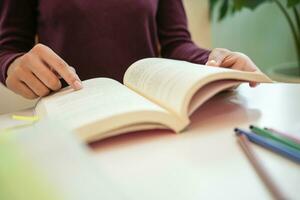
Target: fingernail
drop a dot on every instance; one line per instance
(253, 85)
(77, 85)
(212, 62)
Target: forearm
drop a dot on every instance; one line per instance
(17, 31)
(174, 36)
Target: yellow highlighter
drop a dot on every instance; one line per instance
(25, 118)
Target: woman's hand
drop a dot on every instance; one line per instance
(234, 60)
(37, 73)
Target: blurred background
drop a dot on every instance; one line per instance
(263, 34)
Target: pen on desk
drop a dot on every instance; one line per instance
(244, 143)
(275, 137)
(274, 146)
(286, 135)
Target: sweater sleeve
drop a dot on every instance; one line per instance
(17, 31)
(174, 37)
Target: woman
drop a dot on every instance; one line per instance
(97, 38)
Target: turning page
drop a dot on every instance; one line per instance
(172, 84)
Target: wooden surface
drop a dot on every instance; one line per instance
(206, 161)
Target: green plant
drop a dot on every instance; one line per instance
(290, 11)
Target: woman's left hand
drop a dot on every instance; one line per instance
(224, 58)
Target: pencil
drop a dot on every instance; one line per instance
(283, 134)
(262, 172)
(274, 146)
(275, 137)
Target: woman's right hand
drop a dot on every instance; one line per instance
(37, 73)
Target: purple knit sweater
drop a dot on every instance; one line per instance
(100, 38)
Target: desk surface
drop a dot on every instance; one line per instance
(205, 161)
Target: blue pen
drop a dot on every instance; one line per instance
(272, 145)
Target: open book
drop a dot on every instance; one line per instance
(157, 94)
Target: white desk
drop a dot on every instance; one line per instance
(205, 162)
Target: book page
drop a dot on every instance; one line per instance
(103, 105)
(208, 91)
(172, 83)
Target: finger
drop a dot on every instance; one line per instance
(26, 91)
(217, 56)
(253, 84)
(230, 61)
(40, 70)
(20, 88)
(240, 61)
(212, 63)
(65, 72)
(34, 84)
(70, 68)
(60, 66)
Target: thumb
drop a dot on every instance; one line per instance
(212, 63)
(215, 61)
(217, 57)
